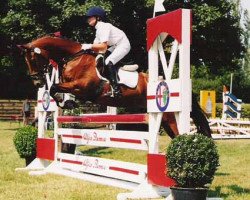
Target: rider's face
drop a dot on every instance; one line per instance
(92, 21)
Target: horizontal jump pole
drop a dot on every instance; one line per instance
(106, 138)
(128, 171)
(106, 119)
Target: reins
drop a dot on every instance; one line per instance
(77, 54)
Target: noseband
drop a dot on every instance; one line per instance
(37, 76)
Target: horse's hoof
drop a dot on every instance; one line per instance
(59, 97)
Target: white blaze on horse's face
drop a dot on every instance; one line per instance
(28, 59)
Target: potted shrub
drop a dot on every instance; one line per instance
(25, 143)
(191, 161)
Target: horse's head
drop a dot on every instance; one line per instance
(39, 52)
(37, 61)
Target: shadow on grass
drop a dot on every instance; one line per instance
(98, 151)
(234, 189)
(222, 174)
(10, 129)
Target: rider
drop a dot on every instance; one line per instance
(108, 38)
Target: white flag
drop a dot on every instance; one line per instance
(158, 6)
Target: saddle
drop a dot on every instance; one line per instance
(127, 73)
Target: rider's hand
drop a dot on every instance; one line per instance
(86, 46)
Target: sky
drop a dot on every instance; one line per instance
(246, 5)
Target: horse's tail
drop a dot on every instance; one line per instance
(199, 118)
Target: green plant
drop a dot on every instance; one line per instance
(192, 160)
(25, 141)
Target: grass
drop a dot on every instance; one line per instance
(231, 181)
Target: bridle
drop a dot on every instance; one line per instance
(40, 74)
(49, 63)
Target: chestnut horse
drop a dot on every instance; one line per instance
(79, 77)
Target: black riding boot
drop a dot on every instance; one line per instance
(113, 76)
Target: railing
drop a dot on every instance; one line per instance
(231, 106)
(12, 109)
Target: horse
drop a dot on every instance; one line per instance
(80, 78)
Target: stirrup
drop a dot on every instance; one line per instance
(108, 94)
(116, 93)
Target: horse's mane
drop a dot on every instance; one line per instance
(53, 36)
(50, 42)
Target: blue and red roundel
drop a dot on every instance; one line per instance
(162, 96)
(46, 100)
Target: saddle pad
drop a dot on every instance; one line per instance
(127, 78)
(130, 68)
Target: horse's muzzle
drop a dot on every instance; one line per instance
(38, 80)
(38, 84)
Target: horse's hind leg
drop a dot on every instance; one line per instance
(199, 118)
(169, 124)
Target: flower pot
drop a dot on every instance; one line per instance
(29, 159)
(189, 193)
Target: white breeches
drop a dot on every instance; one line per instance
(120, 50)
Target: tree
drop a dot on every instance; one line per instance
(217, 48)
(21, 21)
(3, 11)
(216, 45)
(247, 42)
(216, 37)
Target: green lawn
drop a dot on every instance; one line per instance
(232, 180)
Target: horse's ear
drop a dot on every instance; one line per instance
(23, 47)
(57, 34)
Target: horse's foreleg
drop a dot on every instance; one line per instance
(57, 93)
(63, 87)
(169, 124)
(53, 92)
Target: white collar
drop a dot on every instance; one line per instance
(98, 24)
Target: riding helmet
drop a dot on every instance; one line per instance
(96, 11)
